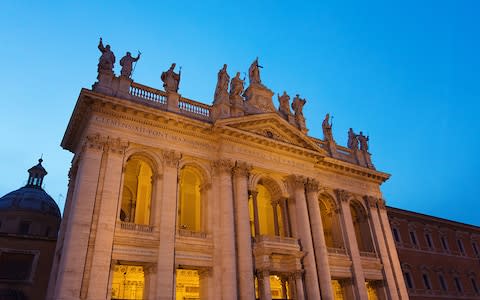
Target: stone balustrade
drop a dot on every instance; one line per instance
(136, 227)
(194, 109)
(148, 93)
(368, 254)
(190, 233)
(339, 251)
(276, 239)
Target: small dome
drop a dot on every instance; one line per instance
(32, 199)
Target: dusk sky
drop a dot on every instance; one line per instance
(406, 73)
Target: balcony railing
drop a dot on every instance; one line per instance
(136, 227)
(148, 93)
(340, 251)
(190, 233)
(194, 108)
(368, 254)
(276, 239)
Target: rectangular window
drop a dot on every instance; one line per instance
(443, 284)
(426, 282)
(428, 238)
(16, 266)
(444, 243)
(474, 285)
(413, 238)
(475, 249)
(408, 280)
(458, 284)
(460, 246)
(396, 235)
(24, 227)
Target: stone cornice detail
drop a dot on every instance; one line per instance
(171, 158)
(222, 166)
(337, 166)
(343, 195)
(116, 146)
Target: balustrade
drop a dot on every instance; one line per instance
(136, 227)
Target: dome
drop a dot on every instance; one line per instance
(32, 197)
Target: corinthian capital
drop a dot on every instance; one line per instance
(343, 195)
(222, 166)
(95, 141)
(371, 201)
(171, 158)
(116, 145)
(381, 203)
(242, 169)
(296, 181)
(312, 185)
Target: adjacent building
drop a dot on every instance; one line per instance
(170, 198)
(29, 223)
(440, 258)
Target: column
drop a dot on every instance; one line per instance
(223, 177)
(150, 273)
(392, 250)
(297, 185)
(77, 231)
(321, 253)
(205, 275)
(256, 225)
(359, 278)
(246, 286)
(382, 248)
(107, 215)
(299, 290)
(285, 218)
(275, 217)
(264, 289)
(166, 251)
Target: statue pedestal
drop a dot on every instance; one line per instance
(237, 106)
(123, 84)
(104, 84)
(172, 101)
(258, 99)
(221, 106)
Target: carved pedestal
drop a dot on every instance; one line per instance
(258, 99)
(172, 101)
(221, 107)
(104, 84)
(237, 108)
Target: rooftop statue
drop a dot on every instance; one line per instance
(126, 62)
(236, 86)
(352, 140)
(171, 80)
(106, 60)
(327, 129)
(254, 72)
(222, 82)
(284, 107)
(363, 141)
(297, 106)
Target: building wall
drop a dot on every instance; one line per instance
(456, 259)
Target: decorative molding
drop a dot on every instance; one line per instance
(297, 181)
(205, 187)
(312, 185)
(171, 158)
(343, 195)
(222, 166)
(116, 146)
(242, 169)
(96, 142)
(371, 201)
(382, 204)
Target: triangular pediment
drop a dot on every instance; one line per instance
(270, 126)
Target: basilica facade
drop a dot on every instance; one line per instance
(170, 198)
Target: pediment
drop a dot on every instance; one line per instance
(271, 126)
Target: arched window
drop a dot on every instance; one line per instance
(362, 227)
(331, 225)
(137, 192)
(190, 200)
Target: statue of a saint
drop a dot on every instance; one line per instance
(170, 79)
(327, 129)
(107, 59)
(284, 107)
(297, 106)
(126, 62)
(352, 140)
(254, 72)
(222, 82)
(236, 86)
(363, 141)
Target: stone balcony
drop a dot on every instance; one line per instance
(277, 253)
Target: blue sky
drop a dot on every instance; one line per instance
(405, 72)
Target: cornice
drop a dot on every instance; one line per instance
(340, 167)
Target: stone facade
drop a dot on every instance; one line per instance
(234, 195)
(440, 259)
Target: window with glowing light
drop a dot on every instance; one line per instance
(190, 200)
(128, 282)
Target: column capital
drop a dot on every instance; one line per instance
(241, 169)
(297, 181)
(116, 146)
(371, 201)
(296, 274)
(205, 187)
(95, 142)
(262, 273)
(222, 166)
(171, 158)
(382, 203)
(312, 185)
(253, 193)
(205, 272)
(150, 269)
(343, 195)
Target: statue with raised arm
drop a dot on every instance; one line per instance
(254, 72)
(284, 107)
(352, 140)
(297, 105)
(170, 79)
(236, 86)
(363, 141)
(222, 82)
(327, 128)
(127, 62)
(106, 60)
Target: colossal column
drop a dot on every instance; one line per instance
(223, 175)
(297, 185)
(77, 230)
(321, 253)
(166, 251)
(359, 278)
(246, 287)
(105, 219)
(392, 250)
